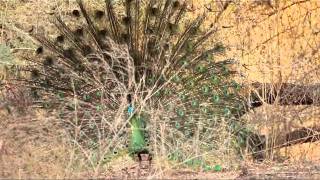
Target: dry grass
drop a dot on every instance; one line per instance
(32, 148)
(277, 48)
(36, 146)
(92, 160)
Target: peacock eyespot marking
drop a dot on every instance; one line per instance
(99, 94)
(48, 61)
(86, 98)
(98, 14)
(191, 83)
(225, 71)
(172, 28)
(167, 92)
(76, 13)
(79, 32)
(103, 33)
(201, 69)
(226, 111)
(34, 93)
(216, 98)
(183, 97)
(151, 44)
(149, 30)
(194, 30)
(166, 46)
(176, 4)
(177, 125)
(236, 85)
(189, 47)
(47, 83)
(68, 53)
(80, 68)
(219, 47)
(194, 103)
(151, 80)
(126, 20)
(215, 80)
(46, 105)
(184, 62)
(180, 113)
(205, 110)
(157, 93)
(205, 89)
(188, 134)
(86, 50)
(154, 11)
(60, 39)
(208, 56)
(226, 92)
(125, 37)
(176, 79)
(61, 95)
(35, 74)
(39, 50)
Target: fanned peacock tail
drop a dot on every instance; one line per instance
(145, 49)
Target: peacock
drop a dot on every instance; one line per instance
(131, 71)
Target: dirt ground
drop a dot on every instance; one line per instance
(31, 148)
(252, 171)
(273, 46)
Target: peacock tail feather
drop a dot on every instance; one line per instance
(149, 49)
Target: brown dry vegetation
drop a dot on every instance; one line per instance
(276, 42)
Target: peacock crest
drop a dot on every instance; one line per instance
(145, 57)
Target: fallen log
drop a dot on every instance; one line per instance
(257, 144)
(285, 94)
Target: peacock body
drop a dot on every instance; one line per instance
(148, 50)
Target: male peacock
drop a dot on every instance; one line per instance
(146, 50)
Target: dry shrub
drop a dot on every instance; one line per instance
(190, 131)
